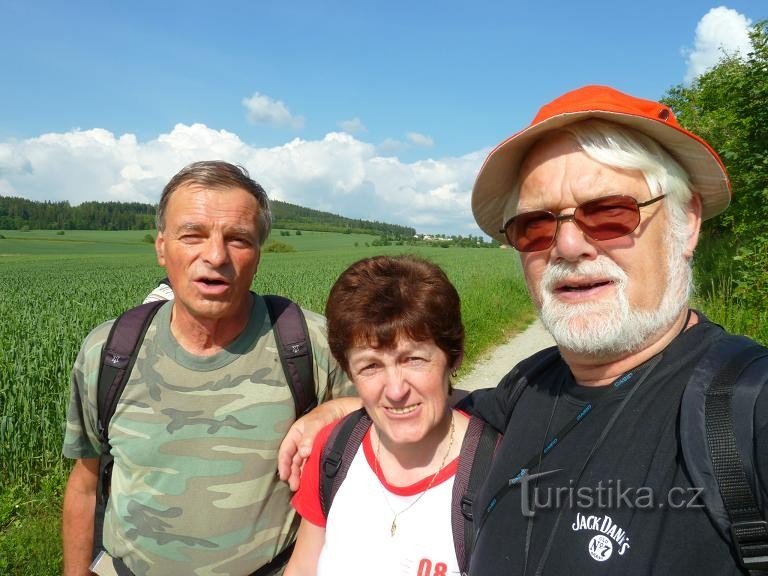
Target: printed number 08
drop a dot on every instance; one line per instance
(425, 568)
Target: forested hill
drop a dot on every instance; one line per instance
(20, 213)
(288, 215)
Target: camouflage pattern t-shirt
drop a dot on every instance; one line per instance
(195, 440)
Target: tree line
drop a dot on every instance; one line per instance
(24, 214)
(287, 215)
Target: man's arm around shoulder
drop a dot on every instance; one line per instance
(297, 444)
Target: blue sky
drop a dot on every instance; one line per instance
(379, 110)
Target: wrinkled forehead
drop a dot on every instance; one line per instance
(558, 172)
(552, 145)
(549, 148)
(194, 198)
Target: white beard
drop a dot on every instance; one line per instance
(606, 328)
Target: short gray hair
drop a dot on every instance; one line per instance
(218, 174)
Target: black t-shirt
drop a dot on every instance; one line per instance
(633, 510)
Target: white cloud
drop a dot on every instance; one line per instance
(11, 161)
(261, 109)
(720, 31)
(338, 173)
(352, 126)
(420, 139)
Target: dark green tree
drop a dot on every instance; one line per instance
(728, 107)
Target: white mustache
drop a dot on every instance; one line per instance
(602, 267)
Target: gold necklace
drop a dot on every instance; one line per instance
(393, 528)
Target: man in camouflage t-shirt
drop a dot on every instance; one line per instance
(197, 429)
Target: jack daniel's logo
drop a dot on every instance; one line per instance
(601, 546)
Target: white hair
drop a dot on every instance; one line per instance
(624, 148)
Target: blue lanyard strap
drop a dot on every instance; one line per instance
(650, 366)
(617, 385)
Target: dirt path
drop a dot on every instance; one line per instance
(488, 371)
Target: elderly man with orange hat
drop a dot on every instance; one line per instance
(623, 449)
(639, 444)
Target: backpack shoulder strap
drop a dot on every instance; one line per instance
(338, 453)
(295, 350)
(477, 451)
(718, 455)
(526, 372)
(510, 388)
(117, 359)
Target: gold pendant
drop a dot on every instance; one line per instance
(393, 528)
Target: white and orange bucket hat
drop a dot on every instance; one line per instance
(499, 172)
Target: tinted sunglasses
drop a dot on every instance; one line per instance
(603, 218)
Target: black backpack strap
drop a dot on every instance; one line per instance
(271, 568)
(117, 359)
(749, 530)
(719, 455)
(295, 350)
(528, 372)
(338, 452)
(508, 391)
(477, 451)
